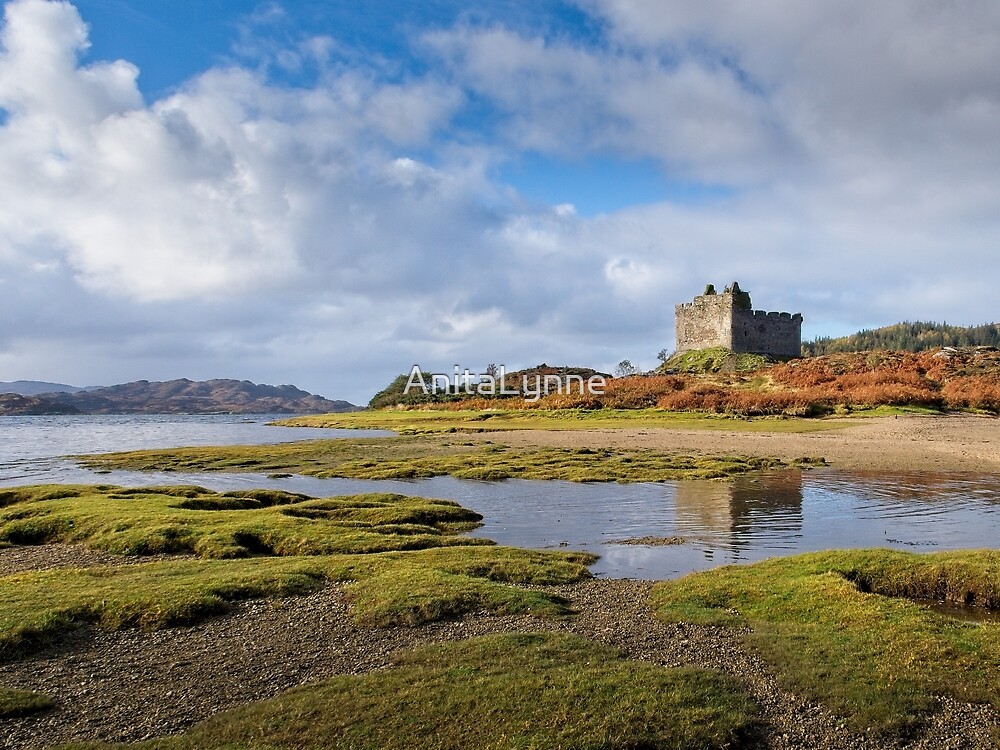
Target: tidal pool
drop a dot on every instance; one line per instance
(721, 522)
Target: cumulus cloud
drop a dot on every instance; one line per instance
(237, 223)
(858, 86)
(336, 232)
(561, 97)
(852, 136)
(208, 191)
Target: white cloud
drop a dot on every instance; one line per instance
(205, 192)
(559, 97)
(858, 85)
(335, 234)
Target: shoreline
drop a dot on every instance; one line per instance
(133, 684)
(129, 685)
(950, 443)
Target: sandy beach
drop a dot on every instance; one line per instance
(960, 442)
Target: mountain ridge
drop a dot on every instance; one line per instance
(180, 396)
(39, 387)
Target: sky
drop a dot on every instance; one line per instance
(326, 193)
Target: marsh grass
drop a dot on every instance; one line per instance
(399, 556)
(15, 703)
(886, 411)
(495, 692)
(428, 456)
(152, 520)
(417, 421)
(840, 627)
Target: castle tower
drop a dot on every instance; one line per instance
(728, 320)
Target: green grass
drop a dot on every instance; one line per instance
(886, 411)
(840, 627)
(15, 703)
(428, 456)
(400, 556)
(498, 692)
(150, 520)
(415, 421)
(391, 588)
(716, 359)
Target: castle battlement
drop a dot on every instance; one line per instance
(782, 315)
(729, 320)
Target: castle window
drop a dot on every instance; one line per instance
(761, 328)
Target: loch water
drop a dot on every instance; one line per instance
(721, 522)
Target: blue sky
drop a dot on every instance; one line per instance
(172, 41)
(169, 40)
(325, 193)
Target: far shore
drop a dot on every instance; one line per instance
(947, 442)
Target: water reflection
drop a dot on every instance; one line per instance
(923, 486)
(964, 613)
(734, 515)
(739, 521)
(743, 520)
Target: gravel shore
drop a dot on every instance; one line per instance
(132, 685)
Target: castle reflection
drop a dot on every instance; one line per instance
(732, 515)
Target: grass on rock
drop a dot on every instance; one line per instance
(400, 557)
(428, 456)
(495, 692)
(715, 359)
(842, 628)
(15, 703)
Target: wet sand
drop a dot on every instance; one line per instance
(962, 442)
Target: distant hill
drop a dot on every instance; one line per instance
(37, 387)
(910, 337)
(395, 393)
(14, 404)
(178, 397)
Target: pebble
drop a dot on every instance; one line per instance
(131, 685)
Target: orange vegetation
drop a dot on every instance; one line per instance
(944, 379)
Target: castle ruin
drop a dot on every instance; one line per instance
(729, 320)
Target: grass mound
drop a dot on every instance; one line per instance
(511, 691)
(150, 520)
(428, 456)
(840, 627)
(14, 703)
(717, 359)
(392, 588)
(400, 556)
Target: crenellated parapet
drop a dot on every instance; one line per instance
(782, 315)
(728, 320)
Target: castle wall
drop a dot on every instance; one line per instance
(762, 332)
(713, 320)
(704, 323)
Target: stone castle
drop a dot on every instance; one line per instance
(729, 320)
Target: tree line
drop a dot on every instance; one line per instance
(912, 337)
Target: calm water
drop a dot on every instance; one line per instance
(31, 446)
(743, 520)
